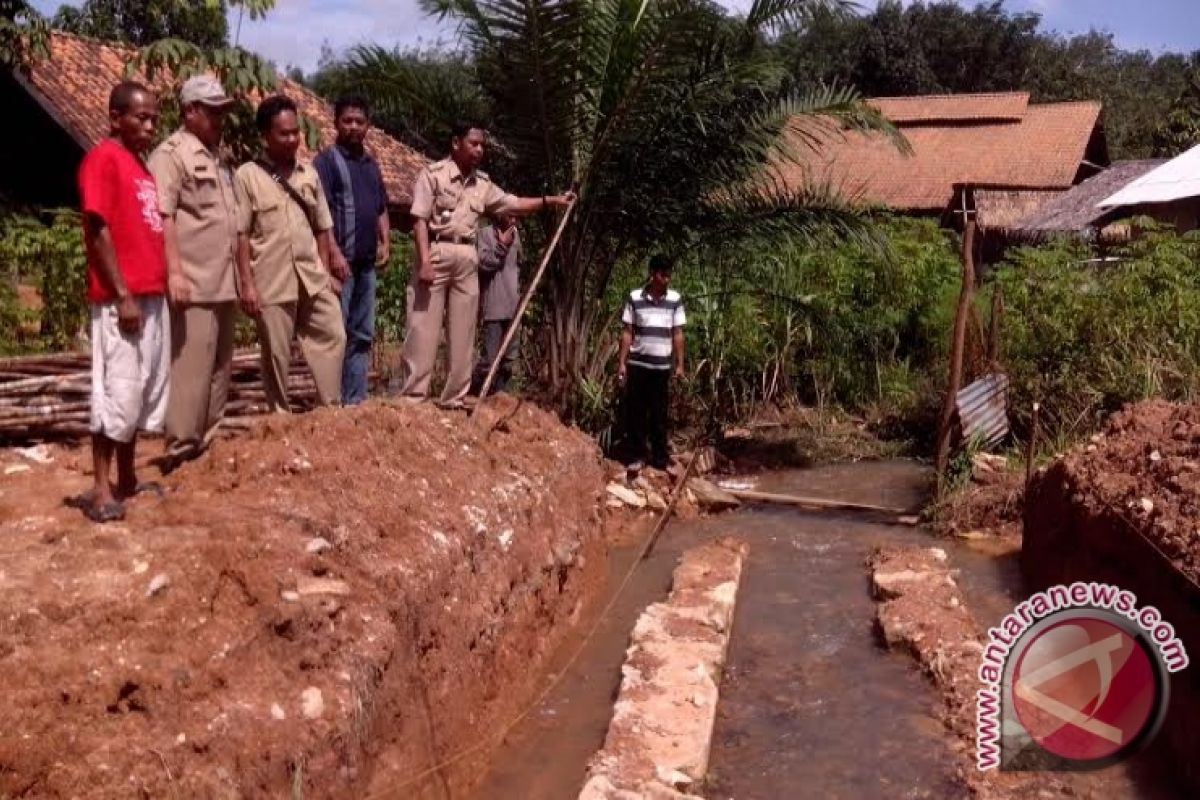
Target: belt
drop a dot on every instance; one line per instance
(449, 239)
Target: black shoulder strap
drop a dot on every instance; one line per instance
(269, 168)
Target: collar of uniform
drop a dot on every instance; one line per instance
(647, 296)
(365, 155)
(194, 143)
(457, 174)
(300, 165)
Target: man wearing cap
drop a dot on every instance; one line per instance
(199, 210)
(448, 198)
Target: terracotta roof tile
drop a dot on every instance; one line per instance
(1007, 106)
(77, 78)
(1043, 150)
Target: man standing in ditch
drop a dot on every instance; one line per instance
(652, 350)
(199, 210)
(127, 281)
(500, 282)
(285, 258)
(448, 198)
(354, 188)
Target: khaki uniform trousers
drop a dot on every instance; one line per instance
(455, 289)
(316, 321)
(201, 366)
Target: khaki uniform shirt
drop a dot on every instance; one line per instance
(283, 248)
(195, 187)
(452, 202)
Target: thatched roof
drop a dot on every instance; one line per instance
(996, 140)
(1076, 211)
(1003, 209)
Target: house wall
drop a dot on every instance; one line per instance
(41, 159)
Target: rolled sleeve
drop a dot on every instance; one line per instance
(245, 209)
(168, 176)
(97, 185)
(324, 219)
(498, 201)
(422, 202)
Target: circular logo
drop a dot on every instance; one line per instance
(1087, 686)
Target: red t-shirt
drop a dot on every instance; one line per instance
(116, 186)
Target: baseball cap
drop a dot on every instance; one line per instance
(204, 89)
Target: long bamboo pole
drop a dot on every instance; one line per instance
(811, 502)
(957, 346)
(515, 325)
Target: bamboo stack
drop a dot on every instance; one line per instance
(49, 396)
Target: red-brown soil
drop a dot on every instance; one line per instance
(465, 554)
(1123, 510)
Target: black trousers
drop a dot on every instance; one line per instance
(647, 403)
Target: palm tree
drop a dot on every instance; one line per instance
(670, 117)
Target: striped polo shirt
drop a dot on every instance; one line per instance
(652, 321)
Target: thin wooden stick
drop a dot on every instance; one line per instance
(515, 325)
(810, 502)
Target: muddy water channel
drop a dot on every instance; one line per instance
(811, 705)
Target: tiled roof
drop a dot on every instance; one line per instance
(1007, 106)
(1042, 149)
(75, 82)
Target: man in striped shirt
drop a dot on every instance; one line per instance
(651, 351)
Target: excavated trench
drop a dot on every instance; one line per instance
(811, 704)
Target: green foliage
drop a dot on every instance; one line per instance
(391, 292)
(244, 75)
(24, 34)
(831, 322)
(1181, 128)
(50, 257)
(142, 22)
(1083, 337)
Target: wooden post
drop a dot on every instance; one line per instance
(1031, 451)
(956, 350)
(996, 325)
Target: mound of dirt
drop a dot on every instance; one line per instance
(326, 606)
(1122, 510)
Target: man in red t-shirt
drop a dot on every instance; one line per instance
(127, 281)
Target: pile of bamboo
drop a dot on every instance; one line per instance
(47, 396)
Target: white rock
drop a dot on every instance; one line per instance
(157, 584)
(938, 553)
(140, 567)
(16, 469)
(181, 738)
(505, 538)
(1155, 457)
(626, 495)
(318, 545)
(39, 454)
(312, 704)
(311, 586)
(1147, 504)
(291, 597)
(277, 712)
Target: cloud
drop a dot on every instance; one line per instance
(294, 32)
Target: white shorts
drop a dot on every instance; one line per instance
(129, 372)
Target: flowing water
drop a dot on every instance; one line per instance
(811, 704)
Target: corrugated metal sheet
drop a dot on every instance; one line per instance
(1176, 180)
(983, 409)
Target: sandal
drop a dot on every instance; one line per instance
(109, 512)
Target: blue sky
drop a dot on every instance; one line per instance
(294, 32)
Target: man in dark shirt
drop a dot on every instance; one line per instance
(354, 188)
